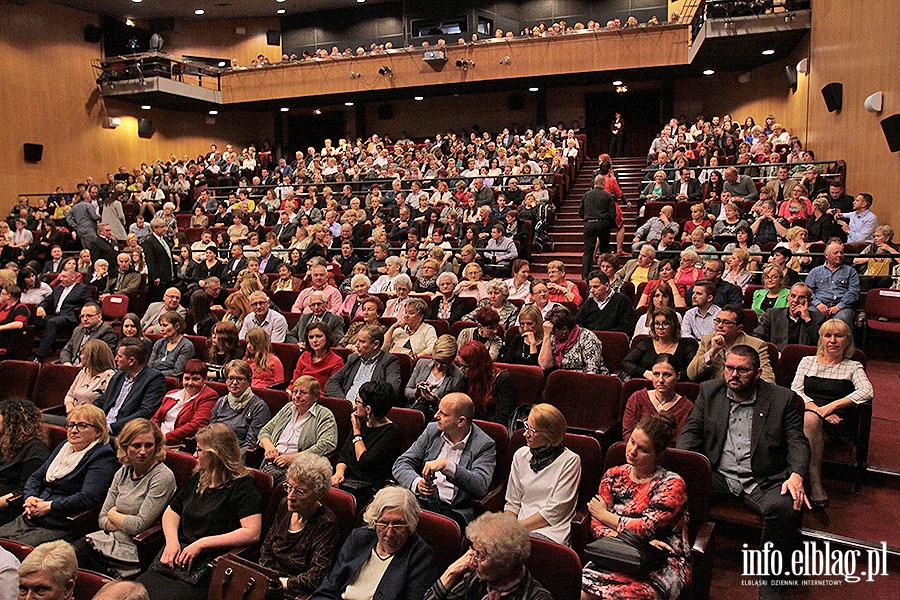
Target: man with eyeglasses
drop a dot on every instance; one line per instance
(92, 328)
(725, 293)
(709, 362)
(451, 463)
(273, 322)
(318, 312)
(752, 433)
(135, 389)
(171, 301)
(794, 324)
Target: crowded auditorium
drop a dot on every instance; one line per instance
(396, 300)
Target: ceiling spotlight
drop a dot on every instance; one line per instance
(129, 22)
(280, 11)
(355, 75)
(361, 1)
(213, 112)
(221, 64)
(136, 1)
(285, 109)
(533, 89)
(708, 72)
(348, 104)
(464, 64)
(385, 72)
(418, 98)
(199, 12)
(145, 107)
(317, 111)
(769, 52)
(621, 89)
(279, 0)
(617, 82)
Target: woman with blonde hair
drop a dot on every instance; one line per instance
(524, 347)
(97, 367)
(737, 273)
(217, 509)
(773, 293)
(266, 366)
(140, 491)
(435, 377)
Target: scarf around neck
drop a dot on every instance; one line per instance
(239, 403)
(542, 458)
(564, 347)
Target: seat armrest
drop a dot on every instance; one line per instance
(581, 530)
(703, 541)
(16, 500)
(149, 535)
(492, 501)
(283, 385)
(85, 520)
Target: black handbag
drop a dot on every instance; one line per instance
(625, 553)
(236, 578)
(192, 576)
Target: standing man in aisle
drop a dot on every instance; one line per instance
(598, 210)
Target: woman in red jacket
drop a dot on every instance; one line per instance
(183, 412)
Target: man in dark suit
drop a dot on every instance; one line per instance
(726, 293)
(92, 328)
(268, 262)
(158, 257)
(370, 363)
(752, 433)
(318, 312)
(58, 310)
(426, 468)
(795, 324)
(285, 229)
(687, 188)
(54, 265)
(235, 264)
(104, 246)
(598, 209)
(605, 310)
(135, 390)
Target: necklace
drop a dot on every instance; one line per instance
(661, 406)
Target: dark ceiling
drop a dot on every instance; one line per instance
(213, 9)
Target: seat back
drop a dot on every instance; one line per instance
(342, 410)
(284, 300)
(529, 382)
(20, 551)
(114, 307)
(882, 303)
(458, 326)
(88, 583)
(344, 353)
(406, 367)
(182, 465)
(751, 320)
(288, 354)
(442, 534)
(556, 567)
(199, 343)
(274, 399)
(343, 505)
(441, 326)
(410, 421)
(265, 487)
(52, 384)
(615, 348)
(500, 435)
(20, 375)
(55, 435)
(589, 402)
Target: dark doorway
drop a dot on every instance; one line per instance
(641, 110)
(304, 130)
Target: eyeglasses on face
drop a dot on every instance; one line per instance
(235, 379)
(80, 426)
(725, 322)
(529, 430)
(287, 487)
(661, 324)
(738, 370)
(384, 526)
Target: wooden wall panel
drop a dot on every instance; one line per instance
(571, 54)
(207, 37)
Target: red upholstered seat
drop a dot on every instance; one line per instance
(442, 534)
(19, 377)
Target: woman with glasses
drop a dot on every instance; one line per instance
(301, 425)
(665, 373)
(773, 293)
(183, 412)
(75, 478)
(385, 559)
(140, 492)
(242, 410)
(487, 331)
(173, 350)
(435, 377)
(302, 541)
(369, 453)
(525, 347)
(491, 388)
(216, 510)
(23, 448)
(665, 338)
(650, 502)
(662, 296)
(544, 476)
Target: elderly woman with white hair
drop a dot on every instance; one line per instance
(472, 285)
(386, 559)
(49, 572)
(301, 543)
(396, 306)
(385, 283)
(353, 303)
(497, 299)
(446, 304)
(493, 567)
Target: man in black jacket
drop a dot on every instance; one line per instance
(598, 210)
(58, 310)
(158, 257)
(605, 310)
(135, 390)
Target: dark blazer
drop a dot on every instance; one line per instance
(410, 574)
(777, 444)
(775, 327)
(726, 293)
(272, 265)
(298, 332)
(458, 309)
(102, 332)
(78, 297)
(104, 248)
(284, 232)
(474, 470)
(387, 370)
(15, 472)
(617, 316)
(82, 489)
(229, 274)
(159, 265)
(694, 191)
(142, 401)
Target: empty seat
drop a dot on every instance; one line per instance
(19, 377)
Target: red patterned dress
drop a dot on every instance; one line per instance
(654, 509)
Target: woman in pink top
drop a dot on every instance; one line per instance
(267, 368)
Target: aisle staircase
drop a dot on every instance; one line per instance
(567, 230)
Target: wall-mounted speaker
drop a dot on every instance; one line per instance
(33, 152)
(145, 128)
(273, 37)
(385, 112)
(790, 76)
(834, 96)
(93, 34)
(891, 128)
(516, 102)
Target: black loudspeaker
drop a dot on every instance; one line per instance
(891, 127)
(145, 128)
(834, 96)
(516, 102)
(790, 75)
(93, 34)
(273, 37)
(385, 112)
(33, 152)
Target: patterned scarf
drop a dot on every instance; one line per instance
(544, 457)
(564, 347)
(238, 403)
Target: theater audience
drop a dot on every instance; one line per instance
(240, 409)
